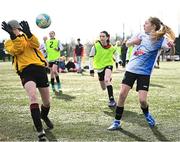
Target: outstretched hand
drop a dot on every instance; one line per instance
(8, 29)
(25, 28)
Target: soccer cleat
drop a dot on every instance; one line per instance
(115, 126)
(60, 92)
(112, 103)
(150, 120)
(56, 93)
(42, 136)
(48, 122)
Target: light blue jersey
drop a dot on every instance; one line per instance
(144, 55)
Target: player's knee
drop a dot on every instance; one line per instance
(107, 82)
(53, 72)
(33, 99)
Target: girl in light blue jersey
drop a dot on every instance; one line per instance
(146, 50)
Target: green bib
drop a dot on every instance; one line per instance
(118, 49)
(103, 56)
(129, 52)
(51, 45)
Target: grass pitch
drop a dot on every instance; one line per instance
(82, 114)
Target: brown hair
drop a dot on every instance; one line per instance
(161, 29)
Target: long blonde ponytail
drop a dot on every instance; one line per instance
(161, 29)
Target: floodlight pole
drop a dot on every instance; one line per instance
(123, 31)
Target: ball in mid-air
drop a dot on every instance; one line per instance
(43, 21)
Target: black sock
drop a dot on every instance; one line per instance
(57, 79)
(119, 112)
(35, 113)
(52, 81)
(110, 92)
(44, 111)
(145, 110)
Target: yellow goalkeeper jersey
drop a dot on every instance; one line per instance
(25, 52)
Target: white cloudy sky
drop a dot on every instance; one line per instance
(86, 18)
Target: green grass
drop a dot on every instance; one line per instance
(82, 114)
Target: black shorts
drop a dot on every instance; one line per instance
(37, 74)
(52, 63)
(142, 80)
(102, 74)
